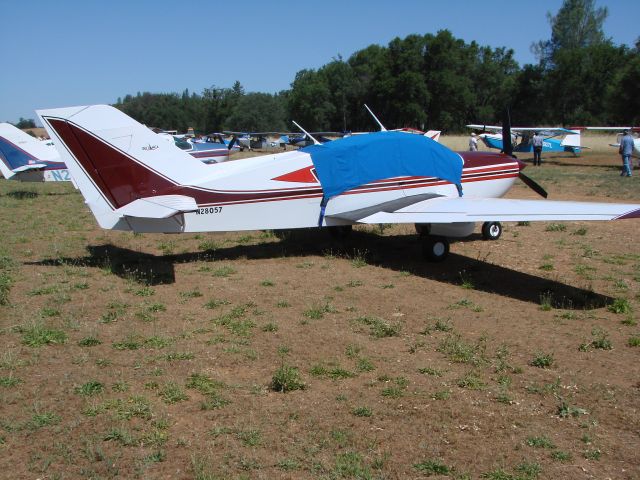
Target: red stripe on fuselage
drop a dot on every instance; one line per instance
(122, 179)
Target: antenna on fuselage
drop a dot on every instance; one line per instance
(382, 129)
(315, 142)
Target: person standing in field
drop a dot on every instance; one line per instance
(625, 150)
(536, 142)
(473, 143)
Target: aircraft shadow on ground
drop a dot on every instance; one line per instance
(398, 253)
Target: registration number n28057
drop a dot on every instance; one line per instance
(208, 210)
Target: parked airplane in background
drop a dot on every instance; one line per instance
(634, 130)
(432, 134)
(131, 181)
(260, 140)
(27, 159)
(521, 138)
(210, 149)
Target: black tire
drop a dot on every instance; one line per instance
(340, 232)
(491, 230)
(435, 248)
(423, 229)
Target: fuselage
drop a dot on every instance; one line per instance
(281, 191)
(24, 158)
(494, 141)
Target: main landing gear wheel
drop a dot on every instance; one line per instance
(491, 230)
(435, 248)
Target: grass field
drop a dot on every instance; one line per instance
(253, 355)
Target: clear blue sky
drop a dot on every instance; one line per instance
(73, 52)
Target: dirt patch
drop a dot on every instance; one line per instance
(153, 356)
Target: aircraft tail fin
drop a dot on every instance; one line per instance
(115, 160)
(571, 140)
(433, 135)
(13, 156)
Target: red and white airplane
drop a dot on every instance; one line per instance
(133, 181)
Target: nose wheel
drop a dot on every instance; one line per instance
(435, 248)
(491, 230)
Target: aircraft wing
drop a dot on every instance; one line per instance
(489, 128)
(456, 209)
(612, 129)
(545, 131)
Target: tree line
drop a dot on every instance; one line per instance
(432, 81)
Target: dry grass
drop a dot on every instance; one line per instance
(171, 345)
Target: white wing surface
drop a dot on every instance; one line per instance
(454, 210)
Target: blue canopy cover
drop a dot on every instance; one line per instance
(361, 159)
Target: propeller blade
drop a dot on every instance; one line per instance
(232, 142)
(507, 146)
(529, 182)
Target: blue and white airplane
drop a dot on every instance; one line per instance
(635, 132)
(213, 148)
(555, 139)
(27, 159)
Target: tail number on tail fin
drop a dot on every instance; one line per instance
(208, 210)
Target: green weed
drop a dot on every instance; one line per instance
(555, 227)
(364, 365)
(214, 303)
(594, 454)
(9, 381)
(37, 335)
(250, 438)
(561, 456)
(132, 342)
(565, 410)
(173, 356)
(380, 328)
(362, 412)
(540, 442)
(459, 351)
(224, 271)
(287, 379)
(171, 393)
(195, 293)
(542, 360)
(634, 341)
(471, 381)
(430, 371)
(89, 342)
(432, 467)
(620, 306)
(270, 327)
(90, 388)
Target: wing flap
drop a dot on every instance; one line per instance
(163, 206)
(453, 210)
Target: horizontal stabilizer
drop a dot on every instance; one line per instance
(163, 206)
(33, 166)
(455, 209)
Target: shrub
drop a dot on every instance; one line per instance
(287, 379)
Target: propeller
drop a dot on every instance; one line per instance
(532, 184)
(507, 148)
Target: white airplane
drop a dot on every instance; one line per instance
(432, 134)
(521, 138)
(27, 159)
(131, 181)
(636, 138)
